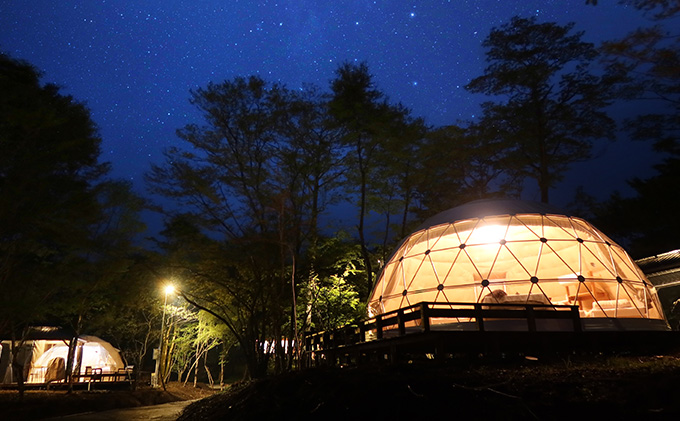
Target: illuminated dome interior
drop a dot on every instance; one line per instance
(511, 251)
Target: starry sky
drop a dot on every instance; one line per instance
(133, 62)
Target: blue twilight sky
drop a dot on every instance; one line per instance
(133, 62)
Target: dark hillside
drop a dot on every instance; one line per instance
(612, 387)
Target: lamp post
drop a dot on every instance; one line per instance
(169, 289)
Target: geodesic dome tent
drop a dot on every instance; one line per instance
(45, 353)
(512, 251)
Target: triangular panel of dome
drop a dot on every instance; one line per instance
(460, 293)
(552, 266)
(507, 267)
(624, 266)
(395, 284)
(444, 263)
(483, 256)
(464, 263)
(447, 242)
(417, 244)
(425, 294)
(584, 227)
(488, 231)
(594, 264)
(558, 228)
(526, 227)
(463, 230)
(424, 275)
(526, 254)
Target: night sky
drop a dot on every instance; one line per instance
(134, 62)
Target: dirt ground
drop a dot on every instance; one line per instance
(593, 387)
(39, 404)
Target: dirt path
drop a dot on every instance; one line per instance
(163, 412)
(41, 404)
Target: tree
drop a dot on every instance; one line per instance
(460, 164)
(650, 57)
(209, 333)
(336, 294)
(49, 150)
(394, 189)
(355, 105)
(251, 187)
(131, 317)
(377, 136)
(550, 101)
(646, 222)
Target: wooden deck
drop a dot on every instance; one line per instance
(446, 330)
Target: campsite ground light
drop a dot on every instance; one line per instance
(169, 289)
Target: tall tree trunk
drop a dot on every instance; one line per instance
(72, 347)
(16, 366)
(362, 216)
(198, 353)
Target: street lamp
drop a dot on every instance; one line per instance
(169, 289)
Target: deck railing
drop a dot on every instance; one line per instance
(422, 317)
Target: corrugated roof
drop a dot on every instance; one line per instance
(665, 279)
(660, 262)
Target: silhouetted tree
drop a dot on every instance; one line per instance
(650, 57)
(380, 139)
(255, 178)
(460, 164)
(49, 150)
(101, 270)
(646, 222)
(394, 189)
(356, 105)
(549, 107)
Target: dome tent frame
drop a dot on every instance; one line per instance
(518, 252)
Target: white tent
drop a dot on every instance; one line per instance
(45, 359)
(92, 353)
(512, 251)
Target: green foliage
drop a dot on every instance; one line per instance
(332, 303)
(332, 295)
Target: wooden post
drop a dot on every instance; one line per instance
(400, 322)
(378, 326)
(531, 318)
(424, 317)
(576, 318)
(479, 318)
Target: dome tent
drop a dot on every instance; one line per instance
(513, 251)
(44, 353)
(93, 352)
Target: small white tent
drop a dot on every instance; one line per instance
(45, 359)
(92, 353)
